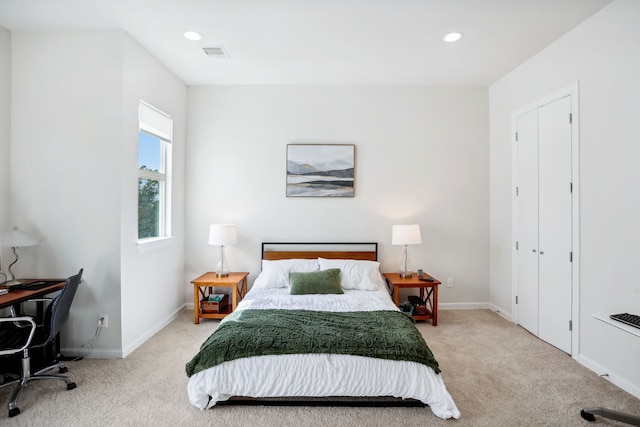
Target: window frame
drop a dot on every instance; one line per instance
(159, 125)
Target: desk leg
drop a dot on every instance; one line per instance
(434, 321)
(196, 305)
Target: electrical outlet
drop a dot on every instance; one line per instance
(450, 282)
(103, 320)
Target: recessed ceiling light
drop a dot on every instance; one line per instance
(192, 35)
(452, 37)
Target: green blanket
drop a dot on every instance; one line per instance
(382, 334)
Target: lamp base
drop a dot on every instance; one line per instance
(222, 269)
(13, 282)
(406, 274)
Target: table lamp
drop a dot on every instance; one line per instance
(405, 235)
(14, 239)
(222, 234)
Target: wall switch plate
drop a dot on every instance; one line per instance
(450, 282)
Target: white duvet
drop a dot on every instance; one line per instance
(320, 375)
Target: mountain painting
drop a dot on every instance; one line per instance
(320, 170)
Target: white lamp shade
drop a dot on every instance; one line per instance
(406, 235)
(223, 234)
(16, 238)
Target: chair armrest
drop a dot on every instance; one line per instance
(29, 309)
(15, 320)
(14, 315)
(38, 300)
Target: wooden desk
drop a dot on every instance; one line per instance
(431, 288)
(18, 296)
(236, 281)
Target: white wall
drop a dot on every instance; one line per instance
(65, 168)
(74, 140)
(5, 135)
(421, 157)
(603, 54)
(149, 273)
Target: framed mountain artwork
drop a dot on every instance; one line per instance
(320, 170)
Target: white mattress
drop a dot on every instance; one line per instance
(320, 375)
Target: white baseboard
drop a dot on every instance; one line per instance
(159, 326)
(119, 354)
(93, 353)
(606, 374)
(474, 305)
(462, 305)
(505, 314)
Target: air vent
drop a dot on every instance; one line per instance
(215, 52)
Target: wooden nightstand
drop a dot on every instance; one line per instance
(236, 281)
(431, 289)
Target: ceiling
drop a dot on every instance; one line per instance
(350, 42)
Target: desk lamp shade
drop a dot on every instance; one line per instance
(221, 235)
(16, 238)
(405, 235)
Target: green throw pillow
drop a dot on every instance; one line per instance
(317, 282)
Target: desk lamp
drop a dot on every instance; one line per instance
(405, 235)
(222, 234)
(14, 239)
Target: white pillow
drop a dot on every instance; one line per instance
(355, 274)
(275, 274)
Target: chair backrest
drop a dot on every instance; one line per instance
(61, 305)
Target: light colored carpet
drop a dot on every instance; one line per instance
(497, 373)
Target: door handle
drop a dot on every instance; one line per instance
(534, 251)
(541, 252)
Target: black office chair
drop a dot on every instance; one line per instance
(21, 334)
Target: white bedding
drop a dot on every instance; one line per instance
(320, 375)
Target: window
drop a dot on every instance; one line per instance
(154, 173)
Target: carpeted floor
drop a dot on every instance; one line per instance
(497, 373)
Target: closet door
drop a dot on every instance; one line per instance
(544, 222)
(554, 181)
(527, 194)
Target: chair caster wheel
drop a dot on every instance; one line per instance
(13, 412)
(71, 386)
(63, 369)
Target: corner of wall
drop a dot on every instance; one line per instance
(5, 126)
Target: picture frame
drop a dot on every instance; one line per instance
(320, 170)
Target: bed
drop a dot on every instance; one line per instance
(310, 329)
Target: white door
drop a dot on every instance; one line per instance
(544, 222)
(554, 188)
(527, 155)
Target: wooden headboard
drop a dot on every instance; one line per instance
(308, 250)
